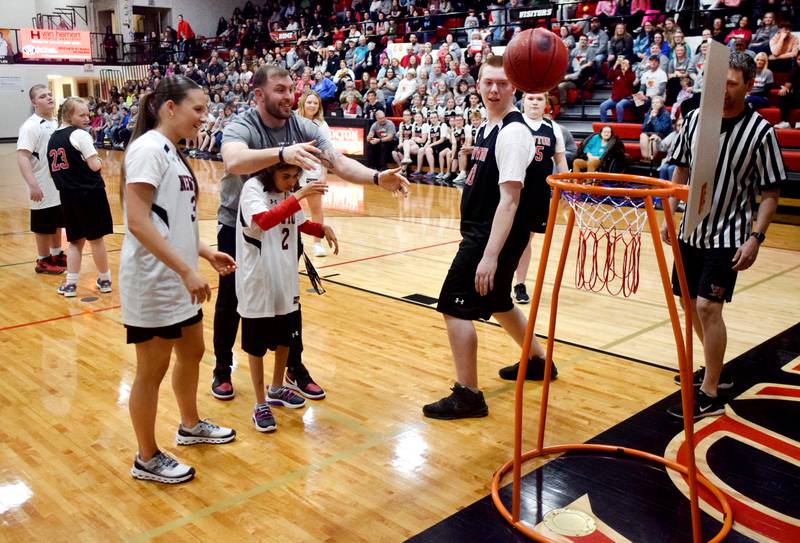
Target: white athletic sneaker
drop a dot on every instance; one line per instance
(161, 468)
(783, 124)
(204, 432)
(405, 161)
(797, 126)
(319, 250)
(460, 178)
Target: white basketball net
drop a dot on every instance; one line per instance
(609, 241)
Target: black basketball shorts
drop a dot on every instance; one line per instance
(458, 297)
(709, 273)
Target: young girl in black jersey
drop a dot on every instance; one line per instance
(438, 140)
(75, 168)
(419, 139)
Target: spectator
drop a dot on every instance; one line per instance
(351, 109)
(657, 124)
(110, 46)
(670, 29)
(598, 41)
(350, 90)
(406, 88)
(461, 92)
(783, 47)
(789, 95)
(622, 79)
(185, 38)
(372, 105)
(389, 85)
(324, 87)
(343, 75)
(718, 31)
(641, 45)
(566, 37)
(667, 146)
(762, 83)
(471, 21)
(677, 68)
(620, 45)
(606, 9)
(580, 69)
(663, 46)
(741, 32)
(764, 33)
(592, 150)
(380, 141)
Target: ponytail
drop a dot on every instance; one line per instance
(174, 88)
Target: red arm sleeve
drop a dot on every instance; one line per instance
(268, 219)
(312, 229)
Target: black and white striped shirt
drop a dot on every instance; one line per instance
(749, 161)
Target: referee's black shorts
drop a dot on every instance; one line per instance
(47, 220)
(709, 273)
(268, 333)
(459, 298)
(87, 214)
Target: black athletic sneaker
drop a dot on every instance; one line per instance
(534, 371)
(222, 388)
(725, 379)
(461, 404)
(521, 295)
(704, 406)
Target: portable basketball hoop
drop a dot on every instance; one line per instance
(611, 211)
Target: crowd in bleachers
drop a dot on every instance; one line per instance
(350, 60)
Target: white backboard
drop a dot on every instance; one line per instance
(705, 147)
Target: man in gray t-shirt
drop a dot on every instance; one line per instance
(263, 136)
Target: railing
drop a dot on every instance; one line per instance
(540, 13)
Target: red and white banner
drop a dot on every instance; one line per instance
(39, 44)
(283, 36)
(348, 140)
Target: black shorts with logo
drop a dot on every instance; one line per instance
(709, 273)
(87, 214)
(268, 333)
(138, 334)
(47, 220)
(458, 297)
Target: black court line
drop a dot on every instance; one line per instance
(744, 449)
(497, 325)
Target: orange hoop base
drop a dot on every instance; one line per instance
(628, 188)
(616, 451)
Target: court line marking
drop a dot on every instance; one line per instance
(663, 322)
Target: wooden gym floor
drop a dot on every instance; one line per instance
(361, 465)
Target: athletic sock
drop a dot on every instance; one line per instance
(72, 278)
(273, 389)
(104, 276)
(40, 257)
(56, 251)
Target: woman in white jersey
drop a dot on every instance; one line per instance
(310, 107)
(160, 286)
(267, 287)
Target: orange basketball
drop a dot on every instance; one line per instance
(535, 60)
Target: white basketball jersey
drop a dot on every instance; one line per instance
(152, 294)
(34, 135)
(266, 261)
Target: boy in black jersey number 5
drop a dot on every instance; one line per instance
(500, 206)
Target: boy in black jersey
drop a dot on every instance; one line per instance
(500, 205)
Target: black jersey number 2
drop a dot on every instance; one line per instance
(285, 239)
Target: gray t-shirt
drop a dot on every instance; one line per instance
(249, 129)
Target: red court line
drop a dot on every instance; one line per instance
(71, 315)
(388, 254)
(60, 317)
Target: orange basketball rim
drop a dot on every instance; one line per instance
(611, 211)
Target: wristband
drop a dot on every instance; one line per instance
(375, 176)
(280, 154)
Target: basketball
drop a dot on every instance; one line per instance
(535, 60)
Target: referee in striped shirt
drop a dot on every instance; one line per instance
(726, 241)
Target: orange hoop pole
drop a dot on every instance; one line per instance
(551, 331)
(687, 393)
(526, 347)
